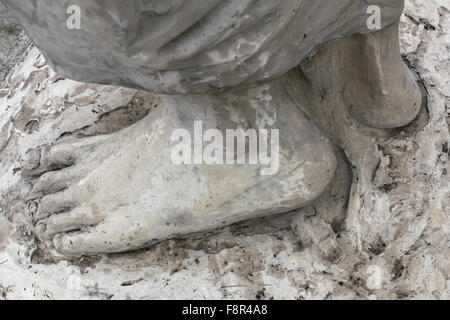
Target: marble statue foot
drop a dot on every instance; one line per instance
(123, 191)
(380, 89)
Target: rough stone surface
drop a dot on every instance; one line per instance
(179, 46)
(396, 227)
(121, 192)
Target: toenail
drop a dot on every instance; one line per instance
(25, 191)
(33, 208)
(40, 228)
(31, 160)
(58, 242)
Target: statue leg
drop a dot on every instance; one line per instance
(123, 191)
(359, 88)
(379, 88)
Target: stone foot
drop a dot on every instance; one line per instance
(379, 88)
(122, 191)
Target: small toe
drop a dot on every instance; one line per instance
(101, 238)
(54, 203)
(82, 243)
(55, 181)
(76, 219)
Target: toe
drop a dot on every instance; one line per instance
(55, 203)
(55, 181)
(47, 158)
(102, 238)
(76, 219)
(84, 243)
(57, 156)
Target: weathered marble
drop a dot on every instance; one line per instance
(389, 241)
(122, 191)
